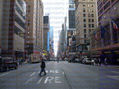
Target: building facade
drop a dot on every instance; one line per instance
(71, 15)
(72, 28)
(86, 22)
(34, 24)
(13, 28)
(46, 29)
(62, 44)
(1, 7)
(106, 38)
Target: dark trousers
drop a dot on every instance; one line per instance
(42, 70)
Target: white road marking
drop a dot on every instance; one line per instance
(28, 80)
(3, 74)
(117, 72)
(48, 79)
(114, 77)
(46, 71)
(57, 80)
(52, 71)
(39, 81)
(32, 74)
(63, 73)
(51, 79)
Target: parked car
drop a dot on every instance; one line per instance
(87, 61)
(9, 63)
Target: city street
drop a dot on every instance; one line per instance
(62, 75)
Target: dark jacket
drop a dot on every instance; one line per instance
(43, 64)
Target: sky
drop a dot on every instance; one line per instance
(57, 11)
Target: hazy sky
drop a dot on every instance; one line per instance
(57, 10)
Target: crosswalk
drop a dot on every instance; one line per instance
(114, 75)
(2, 75)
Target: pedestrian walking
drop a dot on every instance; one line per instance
(43, 65)
(102, 58)
(105, 61)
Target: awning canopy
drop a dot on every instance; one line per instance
(109, 47)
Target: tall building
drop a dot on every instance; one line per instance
(106, 8)
(1, 7)
(106, 37)
(51, 41)
(71, 15)
(13, 28)
(72, 28)
(62, 45)
(86, 21)
(34, 31)
(46, 29)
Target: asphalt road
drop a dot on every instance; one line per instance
(62, 75)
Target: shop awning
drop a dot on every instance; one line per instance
(110, 47)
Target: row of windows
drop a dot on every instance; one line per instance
(89, 15)
(89, 10)
(18, 32)
(19, 21)
(105, 3)
(89, 25)
(19, 11)
(88, 0)
(85, 30)
(89, 5)
(89, 20)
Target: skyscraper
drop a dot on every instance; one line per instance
(46, 32)
(34, 31)
(71, 15)
(72, 27)
(13, 28)
(86, 21)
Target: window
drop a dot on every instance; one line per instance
(92, 15)
(89, 25)
(84, 30)
(84, 25)
(84, 5)
(84, 20)
(84, 10)
(107, 5)
(89, 30)
(84, 15)
(84, 35)
(92, 25)
(92, 20)
(89, 20)
(85, 41)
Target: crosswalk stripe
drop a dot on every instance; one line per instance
(114, 77)
(3, 74)
(33, 74)
(28, 80)
(39, 81)
(117, 72)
